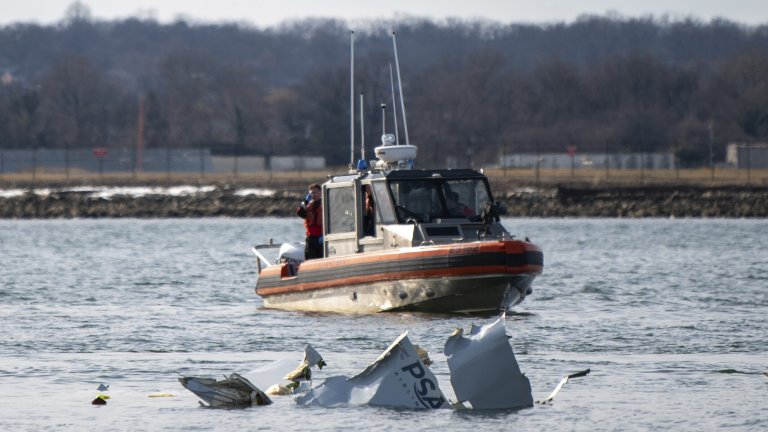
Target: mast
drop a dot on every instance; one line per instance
(362, 130)
(351, 99)
(394, 103)
(400, 85)
(383, 118)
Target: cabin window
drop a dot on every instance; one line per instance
(424, 200)
(341, 210)
(384, 208)
(465, 198)
(417, 200)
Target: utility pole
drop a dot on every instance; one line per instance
(538, 161)
(138, 150)
(711, 152)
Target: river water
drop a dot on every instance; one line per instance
(671, 316)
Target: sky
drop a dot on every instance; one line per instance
(267, 13)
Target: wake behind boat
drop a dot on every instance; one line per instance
(434, 243)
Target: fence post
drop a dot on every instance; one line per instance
(168, 163)
(202, 162)
(66, 161)
(711, 152)
(34, 164)
(749, 163)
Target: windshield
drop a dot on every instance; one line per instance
(424, 200)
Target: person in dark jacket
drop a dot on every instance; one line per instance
(369, 217)
(312, 212)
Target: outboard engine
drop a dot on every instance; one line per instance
(291, 252)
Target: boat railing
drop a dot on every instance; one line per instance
(260, 258)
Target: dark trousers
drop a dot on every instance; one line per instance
(313, 248)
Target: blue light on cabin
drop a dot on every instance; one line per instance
(362, 165)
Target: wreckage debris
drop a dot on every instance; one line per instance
(484, 370)
(159, 395)
(101, 398)
(484, 374)
(423, 355)
(284, 373)
(560, 385)
(397, 379)
(282, 390)
(232, 392)
(280, 377)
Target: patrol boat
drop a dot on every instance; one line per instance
(434, 244)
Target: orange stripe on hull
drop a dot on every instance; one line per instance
(507, 246)
(383, 277)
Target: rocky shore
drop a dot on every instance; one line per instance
(639, 202)
(679, 201)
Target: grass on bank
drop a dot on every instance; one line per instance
(299, 179)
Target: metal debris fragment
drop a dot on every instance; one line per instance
(232, 392)
(398, 379)
(484, 370)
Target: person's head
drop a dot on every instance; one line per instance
(367, 190)
(314, 190)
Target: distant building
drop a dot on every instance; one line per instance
(589, 160)
(747, 155)
(250, 163)
(296, 163)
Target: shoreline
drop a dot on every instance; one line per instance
(521, 200)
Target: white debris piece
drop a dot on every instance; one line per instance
(285, 371)
(484, 370)
(398, 378)
(560, 385)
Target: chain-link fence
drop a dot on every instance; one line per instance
(102, 160)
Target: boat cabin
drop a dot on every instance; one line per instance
(410, 208)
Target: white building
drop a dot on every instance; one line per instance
(589, 160)
(747, 155)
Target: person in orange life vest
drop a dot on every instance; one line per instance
(312, 212)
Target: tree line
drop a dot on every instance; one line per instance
(472, 89)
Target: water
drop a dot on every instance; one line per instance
(670, 316)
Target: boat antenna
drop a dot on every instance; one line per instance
(351, 99)
(394, 103)
(383, 118)
(362, 130)
(400, 85)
